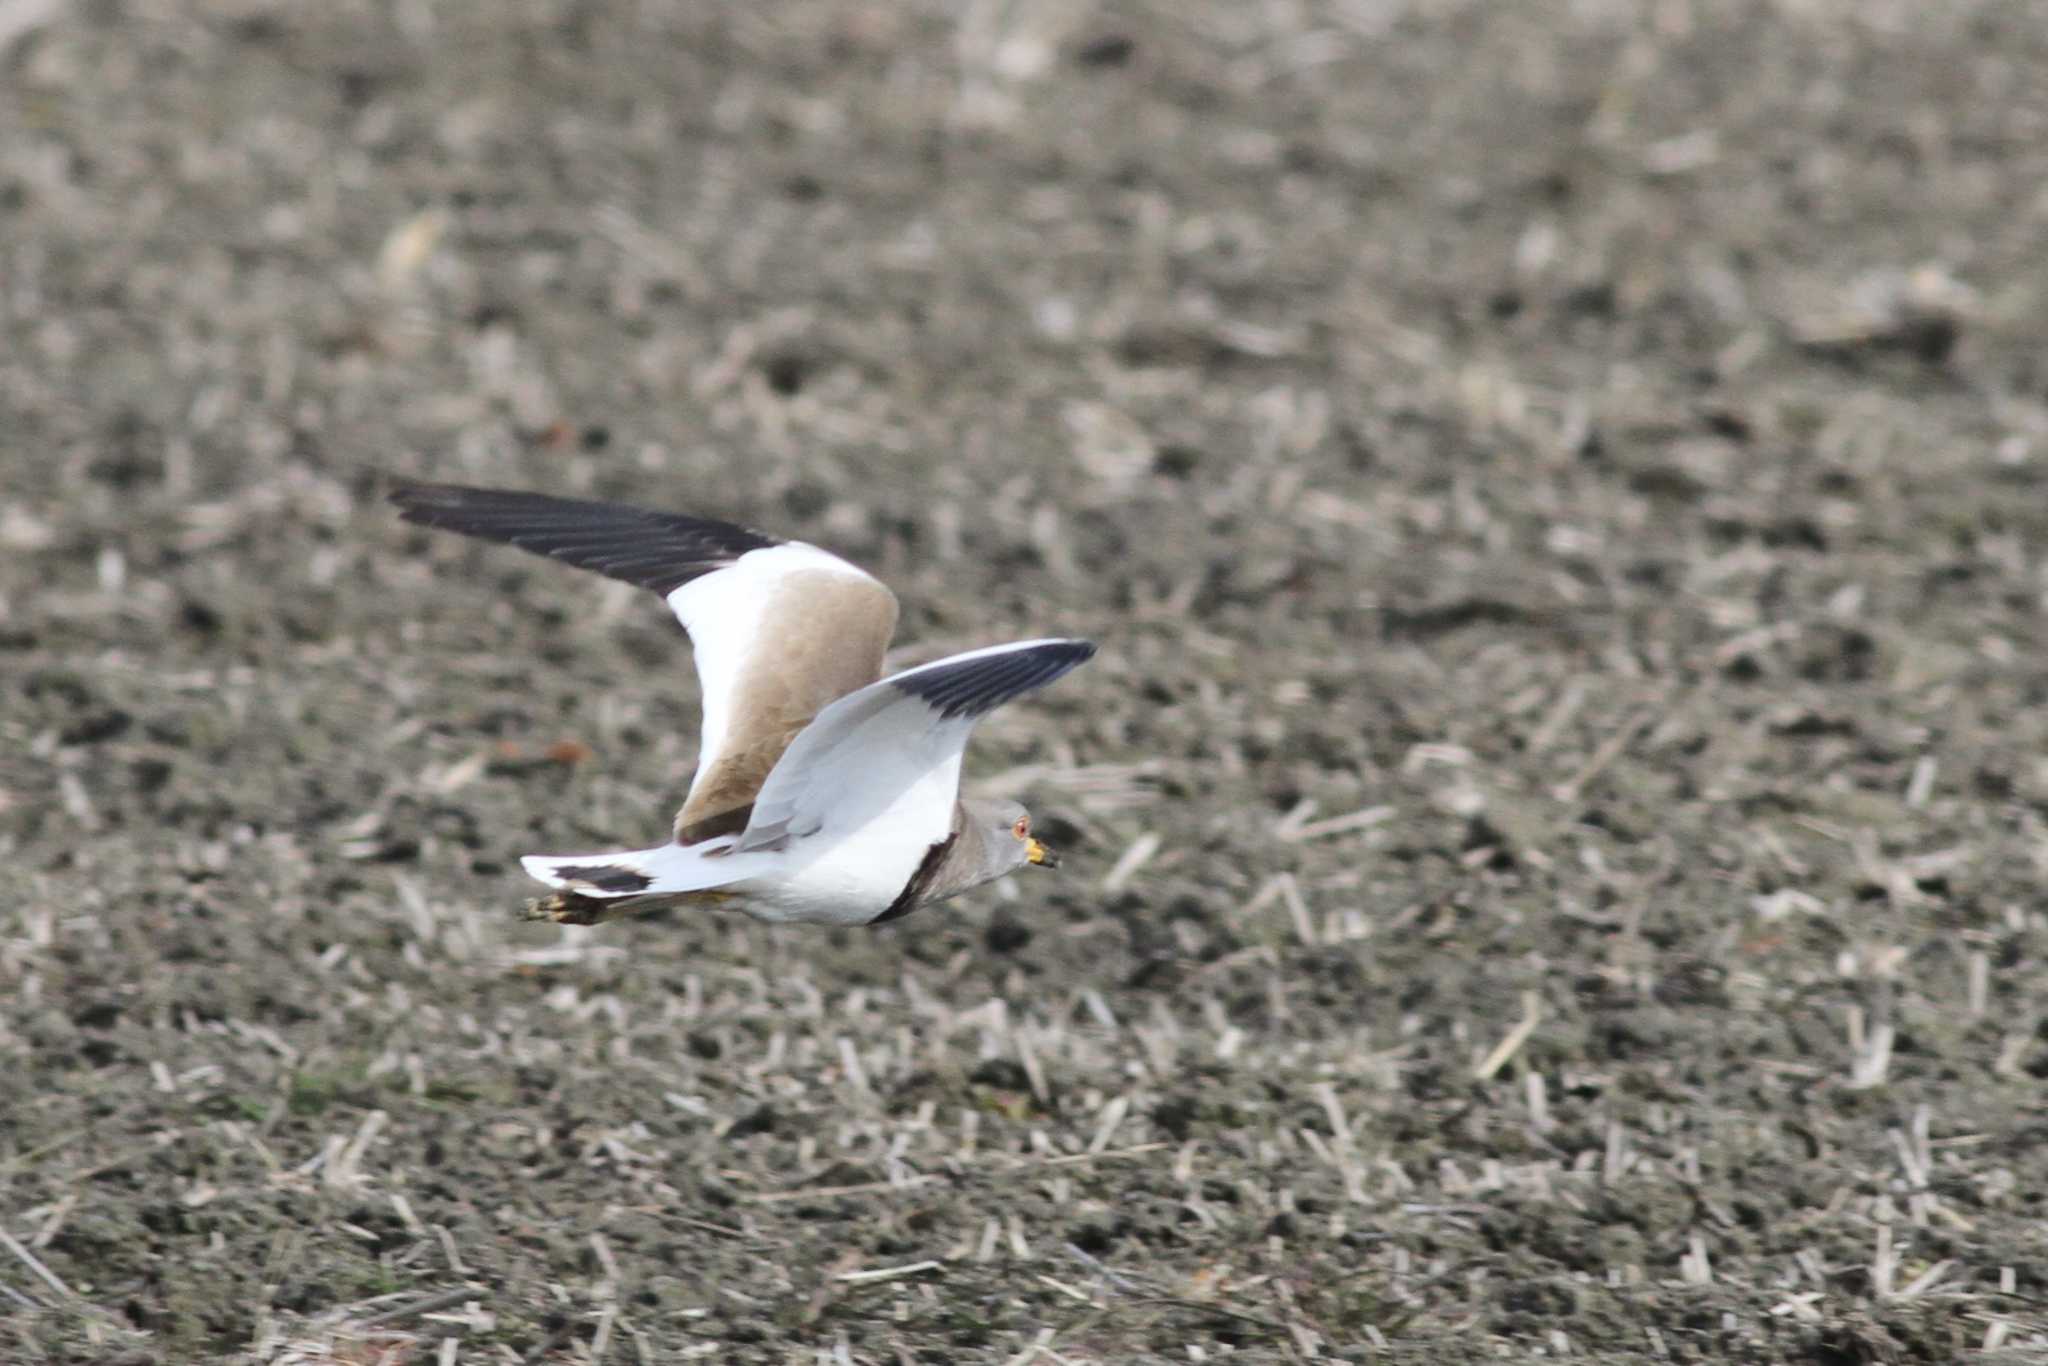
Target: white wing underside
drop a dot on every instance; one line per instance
(893, 748)
(861, 756)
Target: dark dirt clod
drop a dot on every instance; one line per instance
(1553, 836)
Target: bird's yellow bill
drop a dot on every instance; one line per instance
(1037, 853)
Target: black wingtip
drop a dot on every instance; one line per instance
(656, 550)
(976, 684)
(400, 491)
(424, 503)
(421, 500)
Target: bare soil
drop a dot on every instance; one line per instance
(1554, 833)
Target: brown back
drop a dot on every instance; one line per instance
(822, 636)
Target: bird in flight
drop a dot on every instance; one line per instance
(824, 793)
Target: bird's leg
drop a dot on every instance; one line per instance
(569, 908)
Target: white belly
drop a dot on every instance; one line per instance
(850, 875)
(844, 888)
(849, 879)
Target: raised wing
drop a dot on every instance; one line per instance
(894, 747)
(780, 628)
(657, 550)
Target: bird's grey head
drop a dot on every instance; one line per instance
(1003, 829)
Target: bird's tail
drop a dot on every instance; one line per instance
(593, 887)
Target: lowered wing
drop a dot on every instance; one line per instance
(895, 746)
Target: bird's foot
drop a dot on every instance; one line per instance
(566, 908)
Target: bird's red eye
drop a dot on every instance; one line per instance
(1022, 829)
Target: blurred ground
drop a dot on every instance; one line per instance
(1554, 830)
